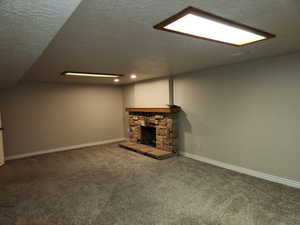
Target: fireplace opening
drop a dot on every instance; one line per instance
(148, 136)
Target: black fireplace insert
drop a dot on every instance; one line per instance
(148, 136)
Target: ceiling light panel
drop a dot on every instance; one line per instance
(200, 24)
(100, 75)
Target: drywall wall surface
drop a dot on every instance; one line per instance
(128, 95)
(244, 114)
(128, 101)
(41, 116)
(153, 93)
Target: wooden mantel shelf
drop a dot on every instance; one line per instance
(154, 110)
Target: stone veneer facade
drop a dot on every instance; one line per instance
(165, 124)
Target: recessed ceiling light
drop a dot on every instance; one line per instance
(101, 75)
(116, 80)
(132, 76)
(200, 24)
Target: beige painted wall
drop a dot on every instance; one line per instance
(41, 116)
(128, 101)
(245, 114)
(1, 149)
(1, 143)
(153, 93)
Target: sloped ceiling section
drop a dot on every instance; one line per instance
(26, 28)
(117, 36)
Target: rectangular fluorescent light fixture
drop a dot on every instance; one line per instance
(101, 75)
(200, 24)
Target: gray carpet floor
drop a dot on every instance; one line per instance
(108, 185)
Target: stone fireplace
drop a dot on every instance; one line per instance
(152, 130)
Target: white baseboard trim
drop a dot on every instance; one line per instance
(60, 149)
(276, 179)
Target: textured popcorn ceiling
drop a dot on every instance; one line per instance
(26, 28)
(117, 36)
